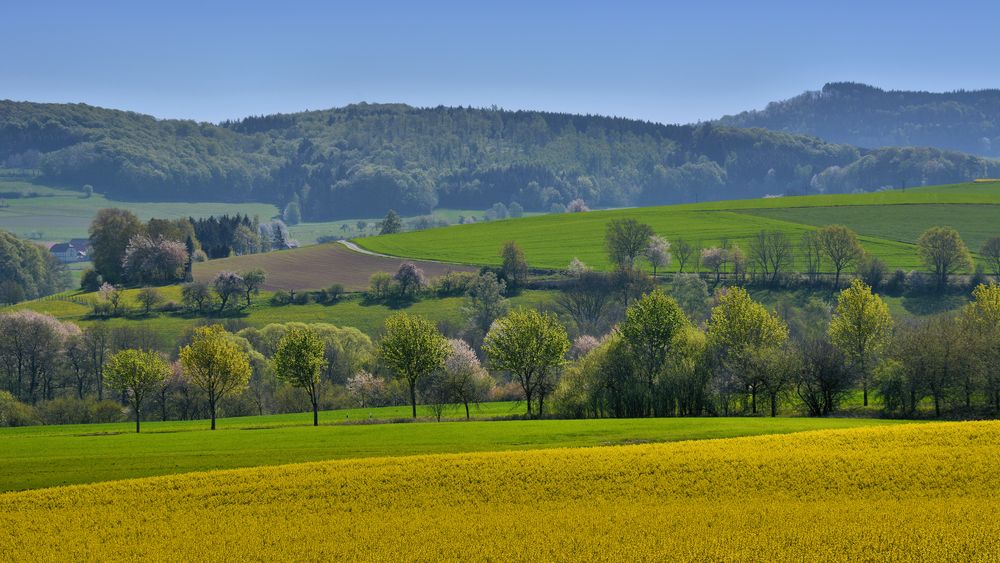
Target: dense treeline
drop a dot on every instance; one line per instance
(360, 160)
(865, 116)
(28, 271)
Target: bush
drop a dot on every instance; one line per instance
(106, 411)
(281, 297)
(70, 410)
(90, 280)
(896, 282)
(303, 298)
(916, 282)
(16, 413)
(331, 294)
(454, 283)
(872, 271)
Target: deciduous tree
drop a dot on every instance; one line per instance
(840, 245)
(861, 329)
(300, 360)
(137, 374)
(412, 348)
(943, 251)
(216, 364)
(625, 240)
(651, 324)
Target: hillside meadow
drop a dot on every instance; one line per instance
(888, 493)
(888, 224)
(47, 456)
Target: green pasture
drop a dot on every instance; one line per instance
(888, 223)
(58, 215)
(47, 456)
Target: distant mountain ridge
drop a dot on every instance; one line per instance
(361, 160)
(866, 116)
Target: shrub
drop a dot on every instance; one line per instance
(281, 297)
(334, 293)
(303, 298)
(90, 280)
(896, 282)
(16, 413)
(106, 411)
(454, 283)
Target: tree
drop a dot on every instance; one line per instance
(991, 254)
(738, 330)
(943, 251)
(486, 302)
(658, 252)
(649, 329)
(530, 346)
(154, 261)
(587, 299)
(216, 364)
(981, 320)
(577, 206)
(413, 348)
(148, 298)
(715, 259)
(513, 268)
(811, 249)
(366, 388)
(137, 374)
(110, 233)
(467, 380)
(252, 282)
(840, 245)
(625, 240)
(872, 270)
(300, 360)
(775, 370)
(195, 294)
(88, 191)
(292, 214)
(771, 252)
(861, 329)
(516, 210)
(391, 224)
(824, 378)
(411, 279)
(684, 251)
(227, 285)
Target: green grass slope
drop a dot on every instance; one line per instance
(37, 457)
(888, 223)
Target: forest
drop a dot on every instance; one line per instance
(865, 116)
(363, 159)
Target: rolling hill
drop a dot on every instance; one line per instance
(865, 116)
(358, 161)
(888, 222)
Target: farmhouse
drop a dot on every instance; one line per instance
(68, 252)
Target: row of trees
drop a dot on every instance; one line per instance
(772, 255)
(28, 271)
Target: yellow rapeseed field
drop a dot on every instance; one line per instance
(895, 493)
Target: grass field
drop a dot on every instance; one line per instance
(888, 493)
(45, 456)
(316, 267)
(59, 215)
(888, 223)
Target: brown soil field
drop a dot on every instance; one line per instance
(317, 267)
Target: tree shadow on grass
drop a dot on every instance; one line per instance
(932, 304)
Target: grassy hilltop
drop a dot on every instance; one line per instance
(888, 223)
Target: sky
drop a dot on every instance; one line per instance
(670, 62)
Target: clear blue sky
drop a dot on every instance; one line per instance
(662, 61)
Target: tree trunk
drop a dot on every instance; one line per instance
(753, 401)
(466, 410)
(413, 397)
(211, 407)
(315, 413)
(937, 407)
(865, 392)
(774, 406)
(137, 420)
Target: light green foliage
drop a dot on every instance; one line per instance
(300, 359)
(625, 240)
(861, 328)
(136, 373)
(943, 252)
(530, 346)
(216, 364)
(412, 348)
(650, 327)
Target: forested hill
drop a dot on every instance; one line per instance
(865, 116)
(360, 160)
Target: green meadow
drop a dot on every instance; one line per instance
(888, 223)
(46, 456)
